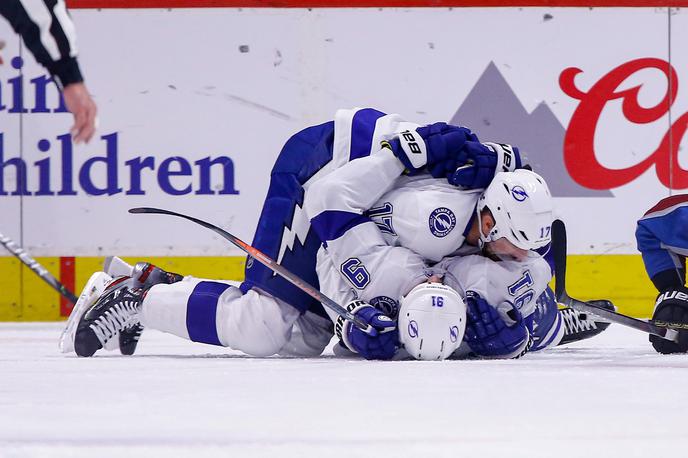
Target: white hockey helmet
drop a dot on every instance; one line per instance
(522, 208)
(432, 321)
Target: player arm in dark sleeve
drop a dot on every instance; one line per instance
(663, 242)
(48, 32)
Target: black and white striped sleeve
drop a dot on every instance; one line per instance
(48, 32)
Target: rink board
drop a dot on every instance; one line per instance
(198, 134)
(26, 297)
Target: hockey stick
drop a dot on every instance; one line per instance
(666, 331)
(41, 271)
(270, 264)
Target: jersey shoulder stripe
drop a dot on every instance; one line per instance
(359, 131)
(667, 205)
(362, 131)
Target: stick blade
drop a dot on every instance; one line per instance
(559, 253)
(156, 211)
(136, 210)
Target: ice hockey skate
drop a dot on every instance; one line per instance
(115, 310)
(148, 275)
(89, 295)
(124, 331)
(580, 326)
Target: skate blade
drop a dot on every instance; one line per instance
(91, 292)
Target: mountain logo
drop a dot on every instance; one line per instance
(494, 112)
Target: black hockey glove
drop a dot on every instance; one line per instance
(671, 306)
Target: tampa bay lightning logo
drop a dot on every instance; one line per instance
(454, 333)
(519, 193)
(441, 222)
(386, 305)
(413, 329)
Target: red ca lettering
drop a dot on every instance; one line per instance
(579, 148)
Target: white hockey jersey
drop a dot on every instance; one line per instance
(381, 262)
(383, 232)
(426, 215)
(498, 282)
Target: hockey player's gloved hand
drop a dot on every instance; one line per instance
(477, 164)
(434, 146)
(383, 345)
(671, 306)
(495, 333)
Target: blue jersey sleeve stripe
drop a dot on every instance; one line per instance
(362, 130)
(201, 312)
(332, 224)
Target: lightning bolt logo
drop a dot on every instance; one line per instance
(519, 193)
(300, 224)
(443, 223)
(298, 231)
(442, 220)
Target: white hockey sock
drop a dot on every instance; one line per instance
(255, 323)
(187, 309)
(217, 313)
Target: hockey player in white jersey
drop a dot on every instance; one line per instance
(423, 221)
(504, 283)
(484, 280)
(430, 220)
(256, 319)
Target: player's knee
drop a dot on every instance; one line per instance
(310, 335)
(259, 338)
(254, 323)
(259, 342)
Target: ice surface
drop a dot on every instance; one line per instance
(611, 396)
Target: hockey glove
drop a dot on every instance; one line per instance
(477, 164)
(495, 333)
(435, 146)
(383, 345)
(671, 306)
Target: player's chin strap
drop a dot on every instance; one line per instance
(272, 265)
(665, 330)
(483, 239)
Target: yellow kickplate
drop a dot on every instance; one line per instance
(619, 278)
(10, 289)
(26, 297)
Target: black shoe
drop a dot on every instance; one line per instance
(581, 326)
(147, 276)
(115, 310)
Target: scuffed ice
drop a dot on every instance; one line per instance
(609, 396)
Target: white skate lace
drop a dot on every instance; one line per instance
(118, 317)
(574, 324)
